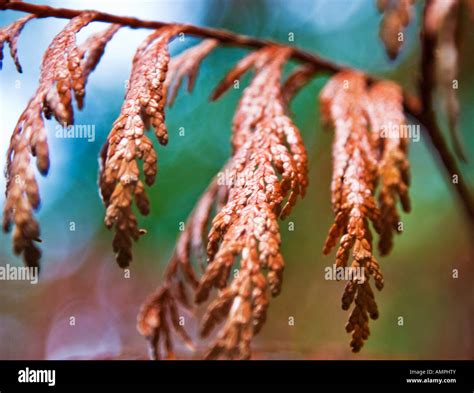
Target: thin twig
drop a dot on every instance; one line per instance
(425, 116)
(224, 36)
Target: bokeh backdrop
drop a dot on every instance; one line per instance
(80, 277)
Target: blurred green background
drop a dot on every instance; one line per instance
(80, 277)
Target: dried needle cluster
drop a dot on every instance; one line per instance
(187, 65)
(143, 106)
(269, 165)
(90, 53)
(397, 14)
(10, 35)
(158, 317)
(64, 71)
(393, 166)
(363, 155)
(441, 27)
(172, 296)
(297, 80)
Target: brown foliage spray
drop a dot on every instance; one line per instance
(397, 14)
(9, 35)
(362, 155)
(388, 122)
(267, 172)
(187, 65)
(269, 164)
(233, 232)
(172, 296)
(144, 105)
(62, 73)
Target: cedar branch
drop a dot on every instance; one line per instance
(224, 36)
(424, 115)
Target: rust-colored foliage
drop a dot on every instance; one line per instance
(154, 314)
(359, 116)
(353, 189)
(10, 35)
(144, 105)
(90, 53)
(172, 296)
(297, 80)
(268, 165)
(233, 232)
(186, 64)
(397, 14)
(267, 172)
(388, 121)
(157, 318)
(61, 73)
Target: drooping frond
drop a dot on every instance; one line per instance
(397, 14)
(61, 72)
(127, 143)
(297, 80)
(388, 121)
(157, 320)
(187, 65)
(10, 35)
(172, 296)
(344, 102)
(268, 165)
(255, 59)
(364, 152)
(90, 53)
